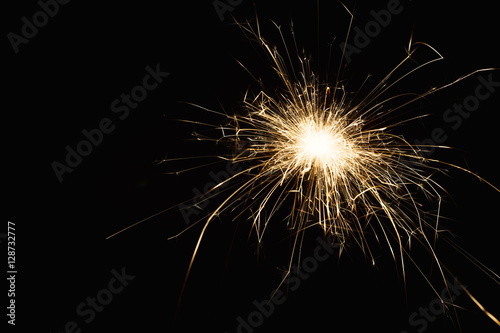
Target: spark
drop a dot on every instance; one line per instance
(335, 160)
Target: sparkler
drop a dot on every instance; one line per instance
(339, 162)
(335, 158)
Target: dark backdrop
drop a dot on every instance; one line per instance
(65, 78)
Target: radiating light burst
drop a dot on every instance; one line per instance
(338, 162)
(335, 160)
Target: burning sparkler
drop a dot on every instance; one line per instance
(335, 158)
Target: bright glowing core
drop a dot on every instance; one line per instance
(319, 145)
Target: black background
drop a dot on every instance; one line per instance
(64, 80)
